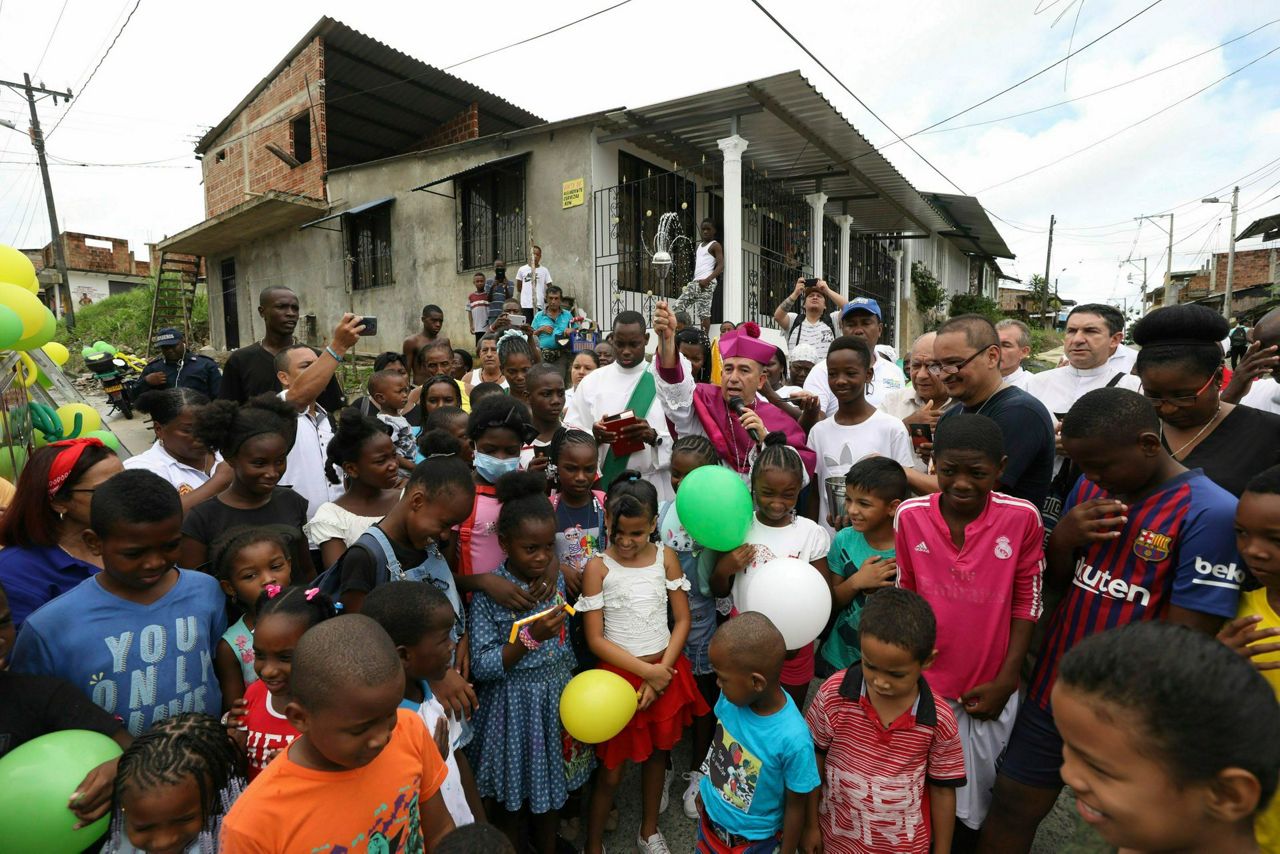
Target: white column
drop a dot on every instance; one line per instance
(735, 292)
(846, 223)
(817, 201)
(899, 297)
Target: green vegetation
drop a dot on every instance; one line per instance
(927, 293)
(123, 320)
(976, 304)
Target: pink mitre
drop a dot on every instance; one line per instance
(744, 342)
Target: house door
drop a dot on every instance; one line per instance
(230, 305)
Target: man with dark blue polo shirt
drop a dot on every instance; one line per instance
(178, 368)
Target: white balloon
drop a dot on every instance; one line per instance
(793, 595)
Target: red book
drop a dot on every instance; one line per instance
(618, 423)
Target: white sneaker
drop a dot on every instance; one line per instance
(666, 792)
(690, 796)
(655, 844)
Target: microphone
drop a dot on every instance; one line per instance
(738, 407)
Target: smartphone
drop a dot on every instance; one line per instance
(517, 319)
(921, 434)
(370, 326)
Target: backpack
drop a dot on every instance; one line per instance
(1239, 337)
(386, 567)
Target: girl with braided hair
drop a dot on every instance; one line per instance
(173, 786)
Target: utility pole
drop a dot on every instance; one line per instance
(1168, 269)
(1048, 263)
(37, 140)
(1231, 255)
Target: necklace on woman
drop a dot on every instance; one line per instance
(1197, 436)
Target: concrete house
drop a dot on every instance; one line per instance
(371, 182)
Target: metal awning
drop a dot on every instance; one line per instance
(973, 229)
(270, 212)
(367, 206)
(1268, 227)
(496, 163)
(795, 135)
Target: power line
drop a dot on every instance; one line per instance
(1112, 136)
(863, 104)
(1028, 79)
(1098, 91)
(49, 43)
(538, 36)
(119, 33)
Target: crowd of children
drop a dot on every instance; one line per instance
(385, 674)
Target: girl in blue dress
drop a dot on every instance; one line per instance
(525, 764)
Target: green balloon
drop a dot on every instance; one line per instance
(10, 327)
(86, 352)
(106, 437)
(715, 508)
(12, 459)
(41, 336)
(36, 781)
(103, 347)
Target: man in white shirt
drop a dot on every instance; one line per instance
(1253, 383)
(610, 390)
(1093, 333)
(533, 289)
(860, 317)
(304, 374)
(1015, 348)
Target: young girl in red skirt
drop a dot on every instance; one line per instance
(625, 592)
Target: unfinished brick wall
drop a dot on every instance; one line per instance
(96, 259)
(238, 165)
(462, 127)
(1253, 267)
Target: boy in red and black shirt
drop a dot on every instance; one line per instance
(888, 750)
(1141, 538)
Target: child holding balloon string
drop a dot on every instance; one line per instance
(525, 766)
(246, 561)
(625, 594)
(173, 786)
(777, 476)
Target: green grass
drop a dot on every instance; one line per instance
(124, 321)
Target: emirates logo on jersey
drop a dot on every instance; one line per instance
(1152, 546)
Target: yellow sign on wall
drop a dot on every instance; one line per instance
(572, 193)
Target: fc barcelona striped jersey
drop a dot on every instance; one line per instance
(1178, 548)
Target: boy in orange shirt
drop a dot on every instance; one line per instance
(364, 774)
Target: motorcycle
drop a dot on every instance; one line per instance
(114, 372)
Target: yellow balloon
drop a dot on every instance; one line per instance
(56, 351)
(27, 370)
(596, 705)
(15, 267)
(90, 420)
(24, 303)
(34, 285)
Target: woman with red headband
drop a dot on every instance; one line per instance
(44, 554)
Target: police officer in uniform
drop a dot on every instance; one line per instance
(176, 368)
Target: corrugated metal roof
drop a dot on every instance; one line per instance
(380, 101)
(376, 203)
(488, 164)
(1268, 227)
(797, 133)
(975, 232)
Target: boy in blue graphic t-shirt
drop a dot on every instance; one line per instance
(138, 638)
(761, 766)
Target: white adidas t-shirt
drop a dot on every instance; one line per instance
(839, 446)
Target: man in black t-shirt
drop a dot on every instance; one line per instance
(966, 356)
(251, 371)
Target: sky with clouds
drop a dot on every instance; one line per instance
(181, 66)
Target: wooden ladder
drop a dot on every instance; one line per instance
(175, 291)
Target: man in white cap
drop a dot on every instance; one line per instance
(861, 317)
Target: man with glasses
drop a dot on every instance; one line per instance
(966, 357)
